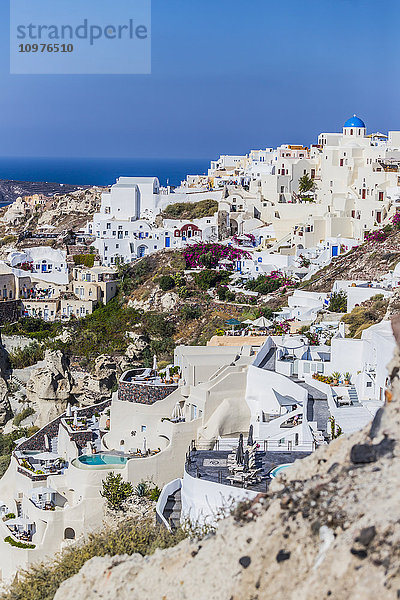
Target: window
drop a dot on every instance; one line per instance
(108, 226)
(369, 383)
(107, 210)
(143, 428)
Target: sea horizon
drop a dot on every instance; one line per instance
(99, 171)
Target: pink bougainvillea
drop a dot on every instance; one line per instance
(209, 255)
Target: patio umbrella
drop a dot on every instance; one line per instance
(232, 322)
(75, 418)
(46, 456)
(154, 363)
(68, 412)
(246, 461)
(144, 446)
(239, 451)
(247, 322)
(262, 322)
(250, 440)
(167, 374)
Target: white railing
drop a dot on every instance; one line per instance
(168, 489)
(267, 445)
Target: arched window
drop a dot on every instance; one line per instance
(69, 534)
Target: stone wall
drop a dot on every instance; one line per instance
(142, 393)
(10, 311)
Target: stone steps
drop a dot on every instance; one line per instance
(173, 509)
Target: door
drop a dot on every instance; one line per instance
(167, 242)
(335, 250)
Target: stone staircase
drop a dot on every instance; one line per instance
(173, 508)
(54, 444)
(353, 396)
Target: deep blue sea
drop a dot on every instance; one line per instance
(99, 171)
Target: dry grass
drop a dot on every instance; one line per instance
(41, 581)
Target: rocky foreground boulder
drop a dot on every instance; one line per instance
(328, 529)
(50, 387)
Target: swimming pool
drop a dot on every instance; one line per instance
(277, 470)
(100, 461)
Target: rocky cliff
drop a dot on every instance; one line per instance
(369, 261)
(328, 529)
(53, 385)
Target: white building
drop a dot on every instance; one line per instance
(43, 262)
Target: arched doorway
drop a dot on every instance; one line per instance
(69, 533)
(141, 251)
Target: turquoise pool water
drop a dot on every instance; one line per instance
(102, 460)
(277, 470)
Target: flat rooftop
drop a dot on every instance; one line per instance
(212, 465)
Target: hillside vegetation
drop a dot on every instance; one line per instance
(191, 210)
(41, 581)
(367, 262)
(368, 313)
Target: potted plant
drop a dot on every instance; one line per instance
(347, 377)
(336, 377)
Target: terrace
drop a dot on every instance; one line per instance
(39, 465)
(218, 466)
(146, 386)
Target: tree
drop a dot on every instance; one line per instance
(336, 430)
(306, 184)
(115, 490)
(338, 302)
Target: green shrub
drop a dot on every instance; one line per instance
(34, 328)
(24, 414)
(8, 239)
(10, 515)
(183, 292)
(225, 294)
(157, 325)
(141, 489)
(190, 312)
(41, 581)
(209, 278)
(166, 282)
(18, 544)
(87, 260)
(338, 302)
(155, 493)
(264, 284)
(20, 358)
(115, 490)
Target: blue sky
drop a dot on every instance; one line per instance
(227, 76)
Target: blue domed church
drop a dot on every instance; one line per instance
(354, 127)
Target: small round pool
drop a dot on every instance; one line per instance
(277, 470)
(100, 461)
